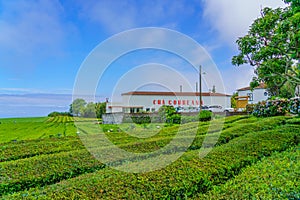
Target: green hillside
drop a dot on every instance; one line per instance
(254, 158)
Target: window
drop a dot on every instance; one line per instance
(147, 109)
(250, 95)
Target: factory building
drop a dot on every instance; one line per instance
(149, 101)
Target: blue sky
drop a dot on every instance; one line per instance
(44, 42)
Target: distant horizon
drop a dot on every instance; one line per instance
(40, 104)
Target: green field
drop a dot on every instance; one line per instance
(254, 158)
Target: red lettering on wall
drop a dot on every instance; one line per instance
(176, 102)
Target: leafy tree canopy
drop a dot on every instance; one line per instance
(272, 47)
(89, 110)
(80, 107)
(100, 109)
(77, 106)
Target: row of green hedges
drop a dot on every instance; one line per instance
(69, 164)
(214, 138)
(275, 107)
(45, 169)
(25, 149)
(233, 127)
(275, 177)
(184, 178)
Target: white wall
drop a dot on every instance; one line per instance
(155, 101)
(114, 107)
(258, 95)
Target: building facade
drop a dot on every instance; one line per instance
(146, 101)
(256, 95)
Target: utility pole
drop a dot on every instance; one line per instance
(200, 88)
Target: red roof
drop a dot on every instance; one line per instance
(261, 86)
(151, 93)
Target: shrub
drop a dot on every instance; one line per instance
(275, 177)
(25, 173)
(25, 149)
(185, 178)
(250, 108)
(276, 107)
(294, 106)
(169, 115)
(55, 114)
(141, 119)
(205, 115)
(175, 119)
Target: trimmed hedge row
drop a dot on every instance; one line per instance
(231, 131)
(184, 178)
(46, 169)
(200, 127)
(38, 175)
(275, 177)
(25, 149)
(210, 140)
(36, 165)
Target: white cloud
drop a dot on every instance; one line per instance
(232, 18)
(28, 26)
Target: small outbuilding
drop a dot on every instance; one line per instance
(256, 95)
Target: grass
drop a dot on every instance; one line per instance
(17, 129)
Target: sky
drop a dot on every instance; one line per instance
(45, 43)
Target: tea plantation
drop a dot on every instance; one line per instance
(253, 158)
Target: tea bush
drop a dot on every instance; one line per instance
(262, 180)
(186, 178)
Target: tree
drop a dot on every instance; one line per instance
(233, 100)
(272, 47)
(77, 106)
(100, 109)
(88, 110)
(168, 114)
